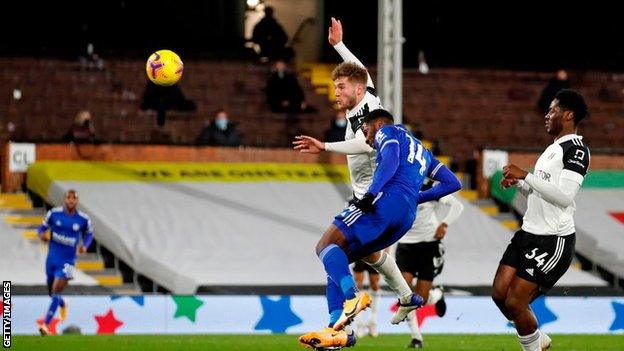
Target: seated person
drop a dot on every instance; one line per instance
(219, 132)
(338, 128)
(82, 130)
(163, 98)
(284, 94)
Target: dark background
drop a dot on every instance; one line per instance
(516, 35)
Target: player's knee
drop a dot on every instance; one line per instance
(514, 306)
(498, 296)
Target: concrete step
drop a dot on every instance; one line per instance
(126, 289)
(511, 224)
(490, 210)
(23, 221)
(107, 277)
(470, 195)
(90, 262)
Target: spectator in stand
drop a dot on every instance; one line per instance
(558, 82)
(338, 128)
(82, 130)
(163, 98)
(284, 94)
(220, 132)
(270, 36)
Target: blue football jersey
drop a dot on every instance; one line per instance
(65, 232)
(414, 161)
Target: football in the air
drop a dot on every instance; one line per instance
(164, 67)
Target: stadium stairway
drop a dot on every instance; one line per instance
(22, 216)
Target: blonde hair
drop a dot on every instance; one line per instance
(353, 72)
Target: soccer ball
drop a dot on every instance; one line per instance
(164, 67)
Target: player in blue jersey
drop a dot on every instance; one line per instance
(377, 220)
(67, 227)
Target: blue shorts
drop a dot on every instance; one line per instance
(367, 233)
(60, 268)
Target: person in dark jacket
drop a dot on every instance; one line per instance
(220, 132)
(284, 94)
(559, 82)
(336, 132)
(270, 36)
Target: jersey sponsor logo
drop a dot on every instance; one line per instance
(62, 239)
(542, 175)
(530, 271)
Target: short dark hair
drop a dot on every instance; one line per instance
(378, 113)
(572, 100)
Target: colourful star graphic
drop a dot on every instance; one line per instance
(52, 326)
(140, 300)
(618, 321)
(107, 324)
(277, 315)
(618, 215)
(424, 313)
(543, 314)
(187, 306)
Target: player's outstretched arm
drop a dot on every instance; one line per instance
(335, 39)
(448, 182)
(309, 145)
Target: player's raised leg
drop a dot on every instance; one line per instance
(386, 266)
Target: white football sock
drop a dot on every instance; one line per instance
(376, 294)
(412, 322)
(391, 274)
(530, 342)
(435, 295)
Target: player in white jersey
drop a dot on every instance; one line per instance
(541, 252)
(420, 254)
(355, 92)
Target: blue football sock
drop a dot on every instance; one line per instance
(333, 317)
(337, 267)
(56, 299)
(335, 300)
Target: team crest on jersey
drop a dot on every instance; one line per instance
(75, 227)
(379, 137)
(58, 223)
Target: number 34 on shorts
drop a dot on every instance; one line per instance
(544, 260)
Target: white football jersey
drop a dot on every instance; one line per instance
(567, 158)
(361, 166)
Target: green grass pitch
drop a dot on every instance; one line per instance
(289, 342)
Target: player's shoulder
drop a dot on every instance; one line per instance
(385, 133)
(372, 100)
(83, 215)
(58, 209)
(573, 143)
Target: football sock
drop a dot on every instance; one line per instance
(435, 295)
(412, 322)
(530, 342)
(376, 294)
(333, 317)
(391, 274)
(56, 300)
(335, 299)
(337, 267)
